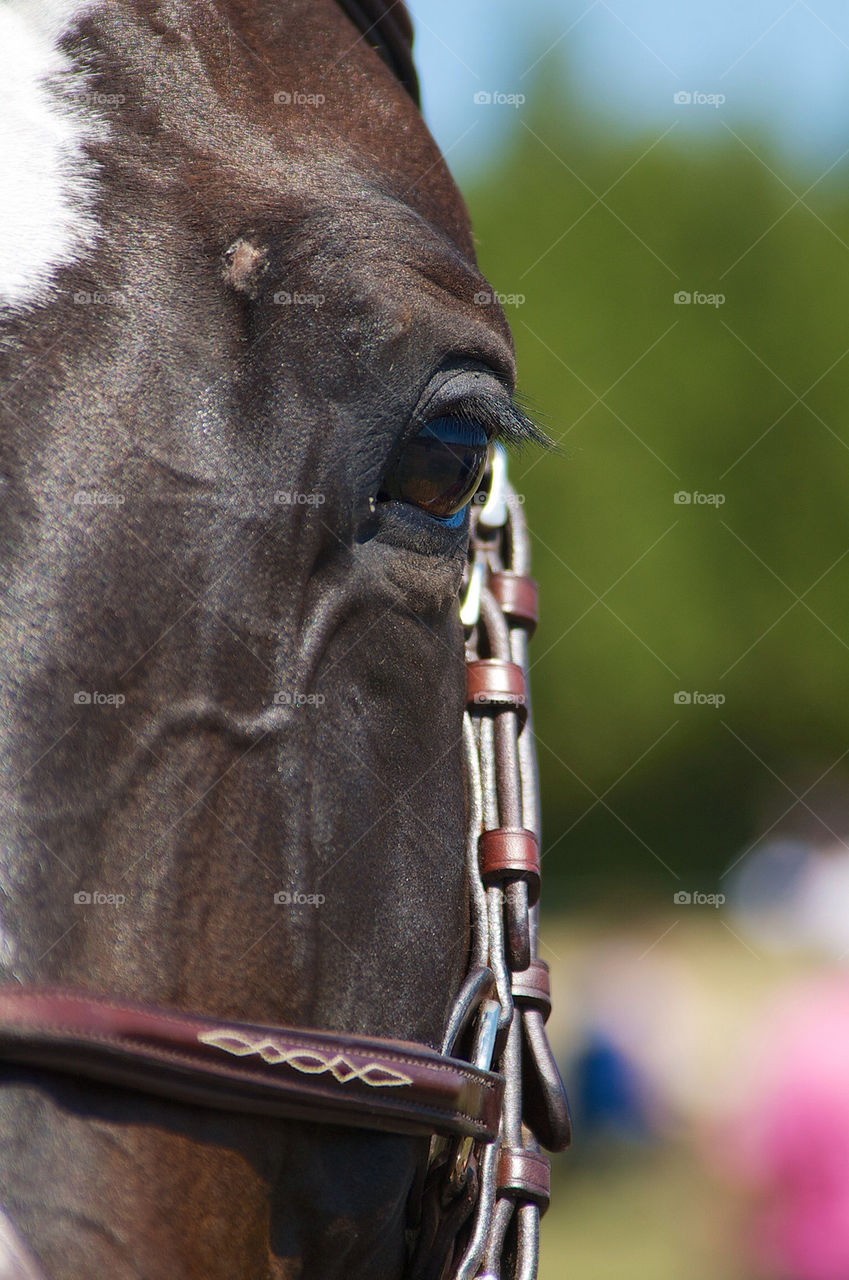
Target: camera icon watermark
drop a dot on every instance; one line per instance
(84, 898)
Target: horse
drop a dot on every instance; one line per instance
(249, 389)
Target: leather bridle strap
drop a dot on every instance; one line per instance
(369, 1083)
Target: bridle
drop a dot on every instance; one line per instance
(502, 1184)
(493, 1094)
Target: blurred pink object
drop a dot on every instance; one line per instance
(790, 1140)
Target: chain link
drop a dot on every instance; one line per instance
(507, 982)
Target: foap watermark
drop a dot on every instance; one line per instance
(99, 298)
(294, 498)
(698, 299)
(283, 898)
(92, 98)
(692, 698)
(488, 297)
(496, 98)
(686, 898)
(695, 498)
(501, 696)
(481, 498)
(285, 698)
(298, 98)
(695, 98)
(284, 299)
(98, 498)
(95, 898)
(93, 698)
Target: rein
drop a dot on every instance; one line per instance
(493, 1094)
(498, 1190)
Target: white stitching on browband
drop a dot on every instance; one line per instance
(308, 1061)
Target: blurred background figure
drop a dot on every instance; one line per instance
(660, 195)
(631, 1047)
(790, 891)
(788, 1142)
(786, 1137)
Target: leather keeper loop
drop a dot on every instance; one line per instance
(494, 683)
(524, 1175)
(517, 595)
(531, 988)
(507, 853)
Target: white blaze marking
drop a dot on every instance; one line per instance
(46, 179)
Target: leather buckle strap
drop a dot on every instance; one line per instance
(494, 683)
(524, 1175)
(531, 987)
(390, 1085)
(517, 595)
(510, 854)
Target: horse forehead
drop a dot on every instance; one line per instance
(48, 190)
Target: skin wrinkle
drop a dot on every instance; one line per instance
(199, 597)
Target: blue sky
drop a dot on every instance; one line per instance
(781, 65)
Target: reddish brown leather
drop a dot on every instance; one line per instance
(510, 854)
(525, 1174)
(531, 987)
(517, 595)
(413, 1089)
(496, 683)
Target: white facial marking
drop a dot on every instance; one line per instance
(16, 1261)
(47, 181)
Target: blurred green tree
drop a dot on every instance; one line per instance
(644, 597)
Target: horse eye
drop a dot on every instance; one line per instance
(440, 469)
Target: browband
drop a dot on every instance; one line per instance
(389, 1085)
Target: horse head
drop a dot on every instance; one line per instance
(242, 316)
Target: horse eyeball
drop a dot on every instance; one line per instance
(439, 470)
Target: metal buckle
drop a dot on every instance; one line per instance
(493, 513)
(470, 606)
(491, 516)
(483, 1052)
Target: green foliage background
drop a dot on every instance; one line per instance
(642, 597)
